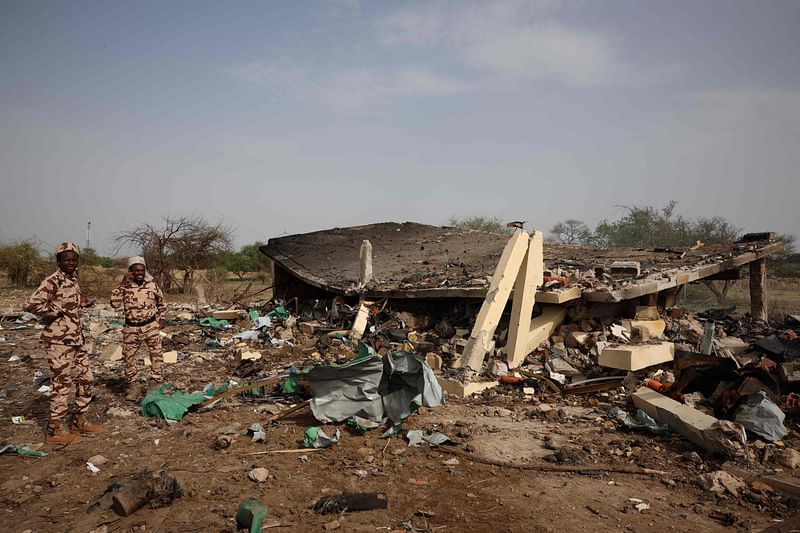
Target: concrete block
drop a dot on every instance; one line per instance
(242, 355)
(625, 269)
(231, 314)
(529, 277)
(734, 344)
(171, 357)
(112, 352)
(644, 312)
(654, 327)
(434, 361)
(462, 390)
(636, 356)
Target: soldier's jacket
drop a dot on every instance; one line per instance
(58, 302)
(139, 302)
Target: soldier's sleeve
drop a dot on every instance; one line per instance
(116, 298)
(40, 302)
(161, 306)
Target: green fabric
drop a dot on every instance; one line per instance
(214, 344)
(251, 515)
(158, 405)
(253, 315)
(21, 450)
(291, 385)
(314, 437)
(214, 323)
(280, 313)
(117, 323)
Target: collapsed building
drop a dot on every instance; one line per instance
(484, 309)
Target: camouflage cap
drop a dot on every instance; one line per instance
(68, 247)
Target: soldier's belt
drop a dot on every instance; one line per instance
(139, 324)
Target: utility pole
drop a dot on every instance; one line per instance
(89, 233)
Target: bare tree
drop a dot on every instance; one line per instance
(181, 243)
(571, 231)
(720, 293)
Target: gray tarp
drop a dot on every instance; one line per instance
(758, 414)
(373, 388)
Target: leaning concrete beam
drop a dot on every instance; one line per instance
(495, 301)
(531, 275)
(636, 356)
(544, 325)
(698, 427)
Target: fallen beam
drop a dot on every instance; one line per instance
(701, 429)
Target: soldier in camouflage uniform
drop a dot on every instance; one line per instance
(142, 304)
(59, 302)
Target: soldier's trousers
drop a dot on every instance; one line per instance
(69, 364)
(133, 338)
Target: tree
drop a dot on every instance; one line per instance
(571, 231)
(479, 223)
(22, 263)
(648, 227)
(90, 258)
(181, 243)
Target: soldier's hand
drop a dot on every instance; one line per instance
(87, 302)
(162, 324)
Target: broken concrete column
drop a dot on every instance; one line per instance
(365, 271)
(495, 302)
(531, 275)
(703, 430)
(758, 289)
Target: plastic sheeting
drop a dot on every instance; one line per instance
(373, 388)
(759, 415)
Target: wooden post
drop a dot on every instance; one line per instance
(495, 301)
(365, 273)
(529, 278)
(668, 297)
(758, 289)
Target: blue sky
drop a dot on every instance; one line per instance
(283, 117)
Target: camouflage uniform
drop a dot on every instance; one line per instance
(143, 307)
(58, 302)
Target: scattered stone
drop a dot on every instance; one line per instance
(451, 462)
(259, 475)
(97, 460)
(789, 458)
(330, 526)
(720, 481)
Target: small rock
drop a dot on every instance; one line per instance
(502, 411)
(259, 475)
(451, 462)
(789, 458)
(527, 494)
(97, 460)
(330, 526)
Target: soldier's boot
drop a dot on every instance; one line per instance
(134, 391)
(57, 435)
(84, 426)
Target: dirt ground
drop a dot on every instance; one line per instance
(427, 489)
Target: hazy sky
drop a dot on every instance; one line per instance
(292, 116)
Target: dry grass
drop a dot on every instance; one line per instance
(783, 297)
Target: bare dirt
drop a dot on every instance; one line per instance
(427, 490)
